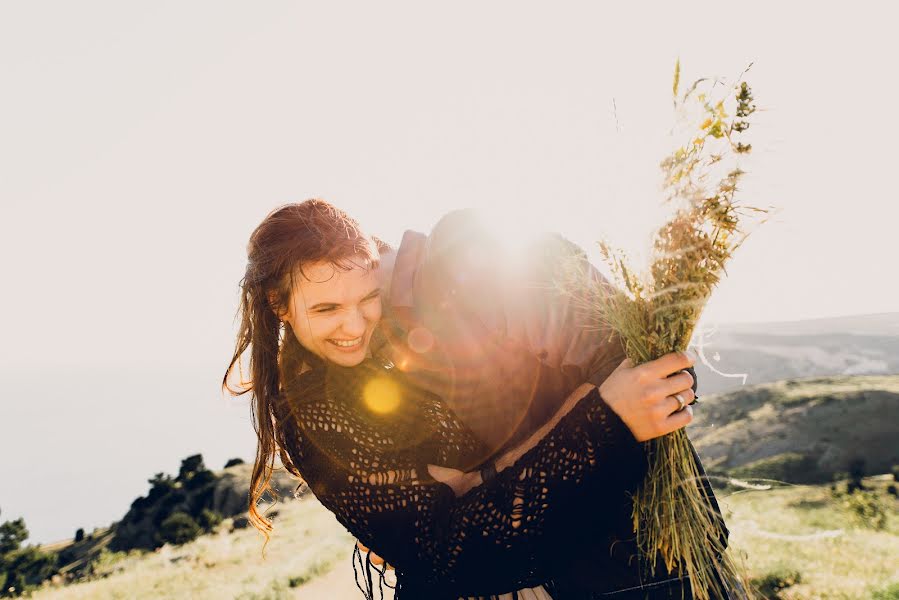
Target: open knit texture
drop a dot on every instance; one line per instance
(362, 438)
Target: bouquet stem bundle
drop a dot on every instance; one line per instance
(656, 314)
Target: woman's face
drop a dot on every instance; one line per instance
(333, 312)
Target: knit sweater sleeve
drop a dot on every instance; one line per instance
(505, 534)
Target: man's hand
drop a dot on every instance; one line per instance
(459, 481)
(643, 396)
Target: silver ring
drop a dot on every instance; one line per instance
(681, 403)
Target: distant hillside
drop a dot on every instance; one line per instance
(802, 431)
(223, 493)
(766, 352)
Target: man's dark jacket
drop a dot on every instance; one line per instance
(504, 336)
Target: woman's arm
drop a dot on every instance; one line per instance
(519, 522)
(641, 397)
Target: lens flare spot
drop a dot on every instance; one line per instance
(420, 340)
(381, 395)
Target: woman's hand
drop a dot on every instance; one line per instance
(375, 559)
(643, 396)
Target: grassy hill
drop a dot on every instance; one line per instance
(801, 431)
(823, 544)
(795, 533)
(225, 494)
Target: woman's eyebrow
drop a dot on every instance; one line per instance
(320, 305)
(323, 305)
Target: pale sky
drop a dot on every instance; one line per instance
(140, 144)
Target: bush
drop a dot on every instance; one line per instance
(174, 502)
(160, 485)
(866, 508)
(79, 535)
(789, 466)
(891, 592)
(895, 472)
(190, 466)
(28, 567)
(12, 534)
(856, 473)
(199, 479)
(892, 491)
(314, 570)
(15, 586)
(770, 585)
(209, 519)
(106, 562)
(234, 461)
(179, 528)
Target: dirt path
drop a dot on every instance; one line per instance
(337, 584)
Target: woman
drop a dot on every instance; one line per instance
(372, 447)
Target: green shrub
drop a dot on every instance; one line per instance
(856, 473)
(891, 592)
(234, 461)
(866, 508)
(189, 466)
(12, 534)
(313, 571)
(21, 568)
(199, 479)
(160, 485)
(27, 567)
(168, 505)
(106, 562)
(892, 491)
(789, 466)
(209, 519)
(179, 528)
(299, 580)
(771, 584)
(15, 586)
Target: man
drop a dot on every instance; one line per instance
(504, 339)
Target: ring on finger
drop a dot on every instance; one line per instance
(681, 403)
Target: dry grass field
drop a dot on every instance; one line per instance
(801, 529)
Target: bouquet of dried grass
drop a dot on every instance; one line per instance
(656, 313)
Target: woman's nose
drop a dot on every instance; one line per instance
(354, 323)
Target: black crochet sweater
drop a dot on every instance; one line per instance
(362, 439)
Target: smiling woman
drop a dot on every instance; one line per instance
(364, 435)
(333, 312)
(292, 254)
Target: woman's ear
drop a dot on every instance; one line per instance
(282, 312)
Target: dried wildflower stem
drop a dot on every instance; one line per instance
(656, 314)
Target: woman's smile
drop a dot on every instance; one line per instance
(333, 311)
(348, 345)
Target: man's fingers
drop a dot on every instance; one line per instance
(668, 364)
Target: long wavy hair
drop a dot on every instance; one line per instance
(290, 237)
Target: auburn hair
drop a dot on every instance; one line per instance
(288, 238)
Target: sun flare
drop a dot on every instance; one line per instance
(382, 396)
